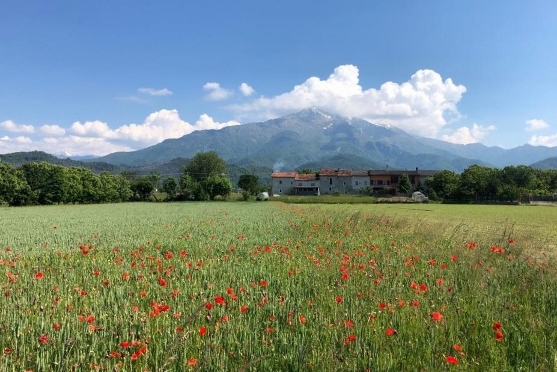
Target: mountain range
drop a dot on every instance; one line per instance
(315, 139)
(309, 139)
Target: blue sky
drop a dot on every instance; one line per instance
(94, 77)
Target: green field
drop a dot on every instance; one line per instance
(273, 286)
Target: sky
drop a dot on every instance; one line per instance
(95, 77)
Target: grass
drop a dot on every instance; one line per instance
(276, 287)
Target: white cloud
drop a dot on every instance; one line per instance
(422, 105)
(10, 126)
(155, 92)
(52, 130)
(98, 138)
(549, 141)
(95, 128)
(465, 135)
(535, 124)
(246, 90)
(207, 122)
(216, 92)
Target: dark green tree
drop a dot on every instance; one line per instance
(169, 186)
(142, 187)
(205, 164)
(444, 183)
(217, 186)
(404, 186)
(249, 183)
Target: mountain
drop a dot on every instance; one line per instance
(307, 137)
(549, 163)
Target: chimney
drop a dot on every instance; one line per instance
(416, 169)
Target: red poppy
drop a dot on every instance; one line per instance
(302, 319)
(338, 299)
(220, 300)
(349, 339)
(125, 344)
(90, 319)
(436, 316)
(56, 326)
(496, 326)
(139, 353)
(243, 308)
(390, 332)
(451, 359)
(162, 282)
(43, 339)
(208, 306)
(498, 335)
(192, 362)
(39, 276)
(202, 331)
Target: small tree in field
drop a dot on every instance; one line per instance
(404, 185)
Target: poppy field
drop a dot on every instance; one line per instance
(274, 287)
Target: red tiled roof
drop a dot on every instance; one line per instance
(306, 177)
(335, 172)
(283, 174)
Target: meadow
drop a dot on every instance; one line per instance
(269, 286)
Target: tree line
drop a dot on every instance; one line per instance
(480, 183)
(42, 183)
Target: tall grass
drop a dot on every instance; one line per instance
(270, 287)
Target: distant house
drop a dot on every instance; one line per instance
(382, 179)
(345, 181)
(283, 183)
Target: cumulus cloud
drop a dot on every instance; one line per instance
(155, 92)
(246, 90)
(421, 105)
(98, 138)
(465, 135)
(535, 124)
(549, 141)
(52, 130)
(10, 126)
(216, 92)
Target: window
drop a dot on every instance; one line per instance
(365, 183)
(379, 182)
(280, 191)
(280, 182)
(344, 183)
(330, 181)
(388, 182)
(357, 183)
(330, 188)
(291, 182)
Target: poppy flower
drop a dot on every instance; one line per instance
(302, 319)
(39, 276)
(349, 339)
(496, 326)
(390, 332)
(243, 308)
(43, 339)
(220, 300)
(208, 306)
(139, 353)
(192, 362)
(202, 331)
(451, 359)
(162, 282)
(338, 300)
(125, 344)
(498, 335)
(436, 316)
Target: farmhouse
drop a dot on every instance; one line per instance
(345, 181)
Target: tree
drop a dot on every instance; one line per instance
(142, 187)
(404, 185)
(169, 186)
(444, 183)
(218, 186)
(205, 164)
(249, 183)
(14, 189)
(479, 182)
